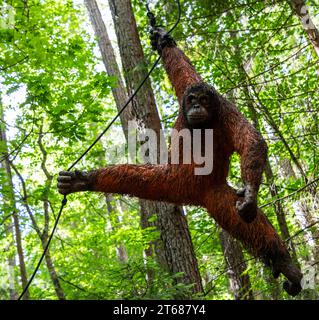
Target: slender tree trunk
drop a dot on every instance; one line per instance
(11, 202)
(310, 218)
(109, 60)
(45, 235)
(52, 272)
(280, 214)
(11, 264)
(239, 283)
(178, 255)
(301, 10)
(114, 215)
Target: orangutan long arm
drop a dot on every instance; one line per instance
(248, 142)
(180, 70)
(151, 182)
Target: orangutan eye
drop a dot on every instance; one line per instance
(191, 98)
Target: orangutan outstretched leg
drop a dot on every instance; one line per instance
(259, 237)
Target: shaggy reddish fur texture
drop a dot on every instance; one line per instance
(179, 185)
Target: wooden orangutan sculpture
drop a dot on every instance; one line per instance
(201, 107)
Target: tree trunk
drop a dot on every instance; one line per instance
(11, 202)
(109, 60)
(53, 275)
(239, 283)
(179, 252)
(114, 215)
(11, 264)
(280, 214)
(43, 235)
(310, 218)
(46, 204)
(300, 9)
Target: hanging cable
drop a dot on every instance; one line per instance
(152, 22)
